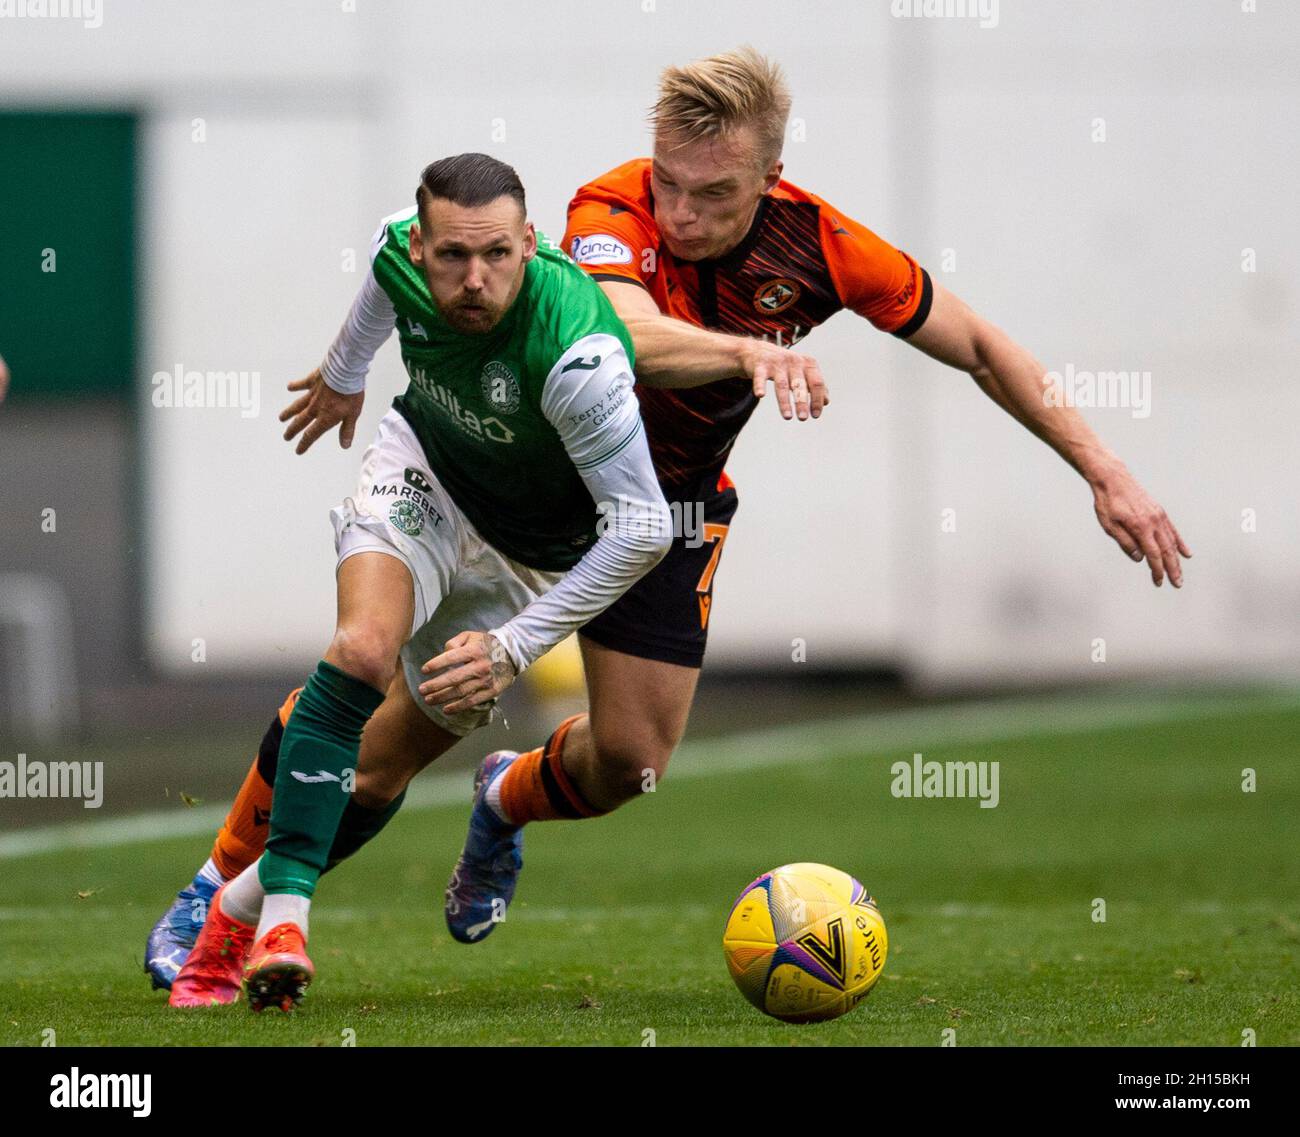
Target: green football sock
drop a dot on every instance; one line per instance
(314, 777)
(359, 825)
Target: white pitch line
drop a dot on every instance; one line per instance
(912, 730)
(445, 789)
(156, 826)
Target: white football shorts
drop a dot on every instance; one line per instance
(462, 584)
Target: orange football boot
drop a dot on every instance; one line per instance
(278, 971)
(211, 975)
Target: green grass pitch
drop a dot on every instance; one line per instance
(614, 937)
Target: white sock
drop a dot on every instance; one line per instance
(283, 908)
(211, 873)
(243, 897)
(493, 797)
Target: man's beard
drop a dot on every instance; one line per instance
(484, 319)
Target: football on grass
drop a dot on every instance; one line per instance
(805, 943)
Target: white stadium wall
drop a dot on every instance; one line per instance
(1115, 255)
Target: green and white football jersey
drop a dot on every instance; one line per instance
(532, 433)
(478, 403)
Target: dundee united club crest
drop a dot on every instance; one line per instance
(500, 387)
(776, 295)
(406, 516)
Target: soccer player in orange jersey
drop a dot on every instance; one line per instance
(718, 266)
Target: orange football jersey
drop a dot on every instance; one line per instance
(800, 263)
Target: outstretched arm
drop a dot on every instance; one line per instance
(336, 390)
(1012, 378)
(673, 353)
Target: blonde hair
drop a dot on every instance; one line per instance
(712, 97)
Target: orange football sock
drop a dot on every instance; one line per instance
(243, 836)
(536, 788)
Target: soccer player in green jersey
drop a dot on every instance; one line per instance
(717, 264)
(479, 507)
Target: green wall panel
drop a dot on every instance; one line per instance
(67, 183)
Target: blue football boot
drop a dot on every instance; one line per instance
(483, 881)
(173, 936)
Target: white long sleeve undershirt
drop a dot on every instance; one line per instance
(597, 416)
(370, 322)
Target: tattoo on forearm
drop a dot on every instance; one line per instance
(503, 671)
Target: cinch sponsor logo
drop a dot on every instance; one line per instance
(600, 249)
(446, 401)
(53, 779)
(75, 1090)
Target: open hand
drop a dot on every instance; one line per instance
(1139, 526)
(800, 388)
(319, 410)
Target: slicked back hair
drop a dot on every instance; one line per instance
(469, 180)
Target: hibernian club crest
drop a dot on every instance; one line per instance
(500, 387)
(407, 517)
